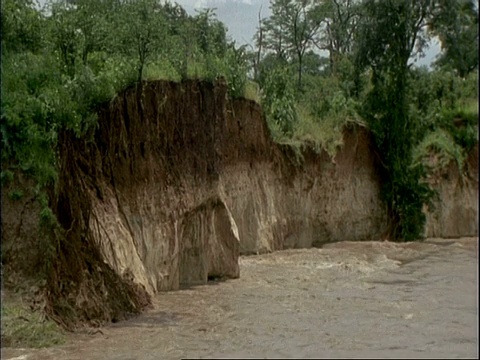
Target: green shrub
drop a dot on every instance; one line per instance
(320, 134)
(279, 101)
(235, 65)
(252, 92)
(22, 327)
(15, 194)
(437, 150)
(161, 70)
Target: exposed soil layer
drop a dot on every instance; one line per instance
(177, 181)
(346, 300)
(456, 212)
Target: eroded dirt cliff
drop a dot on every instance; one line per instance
(177, 181)
(455, 211)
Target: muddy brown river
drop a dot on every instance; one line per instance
(346, 300)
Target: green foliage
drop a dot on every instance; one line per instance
(327, 97)
(6, 177)
(142, 28)
(446, 107)
(22, 327)
(21, 26)
(438, 97)
(50, 233)
(252, 92)
(279, 102)
(107, 75)
(456, 25)
(462, 125)
(236, 70)
(454, 135)
(323, 113)
(290, 31)
(161, 70)
(16, 194)
(320, 134)
(268, 64)
(210, 33)
(389, 32)
(32, 105)
(316, 108)
(341, 19)
(437, 150)
(407, 193)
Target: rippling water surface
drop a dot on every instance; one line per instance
(368, 300)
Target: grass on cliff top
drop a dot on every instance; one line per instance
(164, 70)
(318, 134)
(437, 150)
(24, 328)
(252, 92)
(448, 142)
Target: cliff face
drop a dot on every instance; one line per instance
(278, 205)
(455, 212)
(177, 181)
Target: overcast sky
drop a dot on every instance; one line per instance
(241, 19)
(240, 16)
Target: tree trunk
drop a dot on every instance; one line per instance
(300, 63)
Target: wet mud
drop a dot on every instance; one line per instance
(345, 300)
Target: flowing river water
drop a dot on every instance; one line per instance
(346, 300)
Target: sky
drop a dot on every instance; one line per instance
(241, 19)
(240, 16)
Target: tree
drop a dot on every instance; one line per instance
(269, 63)
(65, 34)
(235, 61)
(21, 26)
(340, 19)
(279, 101)
(92, 25)
(391, 32)
(182, 44)
(141, 29)
(211, 33)
(455, 22)
(290, 31)
(258, 39)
